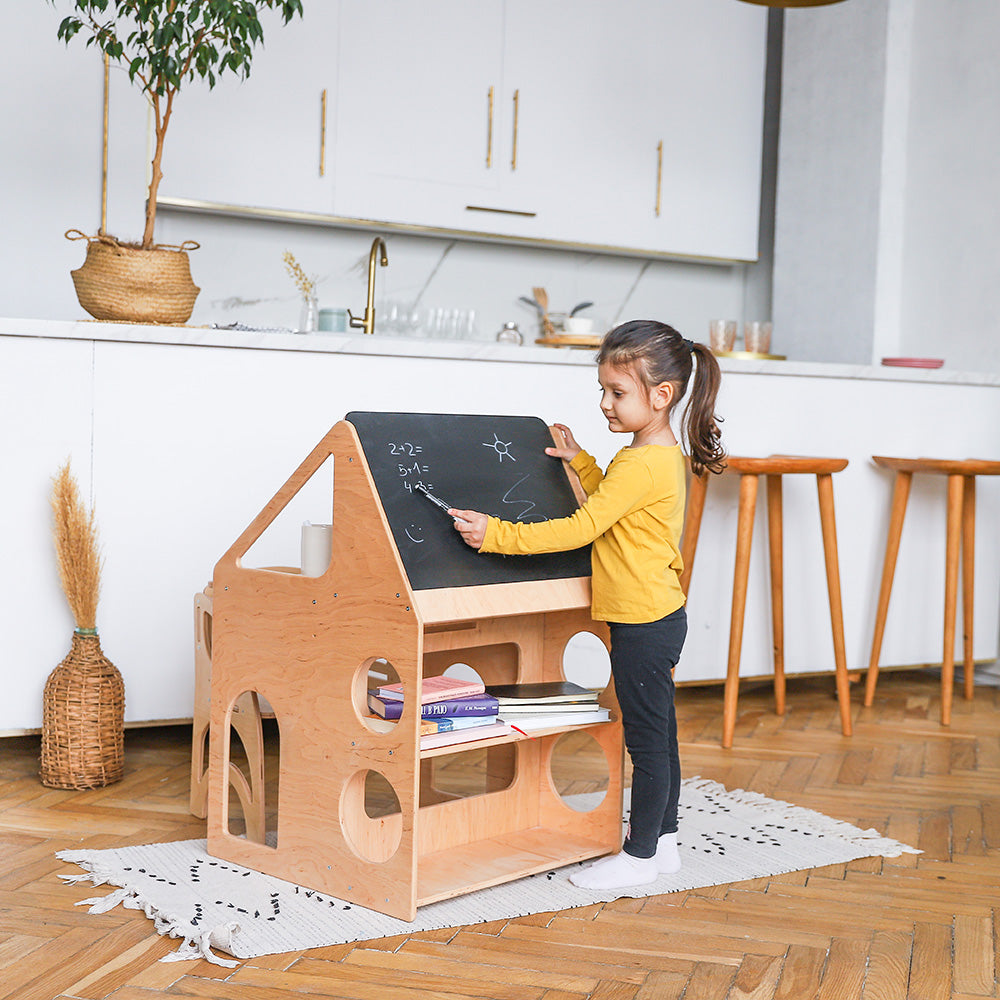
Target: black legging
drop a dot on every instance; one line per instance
(642, 660)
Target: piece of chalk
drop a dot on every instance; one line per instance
(433, 499)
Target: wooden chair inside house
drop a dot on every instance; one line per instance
(960, 546)
(246, 778)
(750, 471)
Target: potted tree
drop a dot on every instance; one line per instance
(163, 44)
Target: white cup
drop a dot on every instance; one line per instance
(333, 320)
(579, 326)
(317, 548)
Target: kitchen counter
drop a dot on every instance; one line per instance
(182, 434)
(454, 350)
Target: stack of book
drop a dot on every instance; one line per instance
(547, 705)
(451, 710)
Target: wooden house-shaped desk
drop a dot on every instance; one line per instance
(403, 591)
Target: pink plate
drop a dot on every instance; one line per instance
(913, 362)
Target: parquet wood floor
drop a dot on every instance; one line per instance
(910, 928)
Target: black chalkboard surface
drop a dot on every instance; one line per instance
(496, 465)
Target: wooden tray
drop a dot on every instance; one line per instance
(570, 340)
(750, 356)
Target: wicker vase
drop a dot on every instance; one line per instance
(131, 285)
(83, 714)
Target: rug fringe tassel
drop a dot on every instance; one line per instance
(192, 947)
(785, 812)
(201, 947)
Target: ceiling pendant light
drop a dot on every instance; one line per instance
(793, 3)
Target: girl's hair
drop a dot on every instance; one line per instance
(657, 353)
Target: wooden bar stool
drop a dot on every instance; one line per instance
(773, 468)
(960, 541)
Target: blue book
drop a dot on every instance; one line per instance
(449, 723)
(474, 704)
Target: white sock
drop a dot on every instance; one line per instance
(616, 872)
(668, 859)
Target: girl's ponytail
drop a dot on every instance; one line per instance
(701, 423)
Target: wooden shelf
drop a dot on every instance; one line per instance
(483, 863)
(495, 741)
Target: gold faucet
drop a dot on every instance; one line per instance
(368, 322)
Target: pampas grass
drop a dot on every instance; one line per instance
(77, 549)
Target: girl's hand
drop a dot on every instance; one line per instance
(471, 525)
(570, 450)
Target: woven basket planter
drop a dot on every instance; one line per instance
(131, 285)
(83, 716)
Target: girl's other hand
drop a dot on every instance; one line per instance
(570, 450)
(471, 525)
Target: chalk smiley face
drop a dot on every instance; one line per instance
(415, 533)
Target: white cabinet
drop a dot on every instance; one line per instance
(534, 119)
(260, 142)
(574, 117)
(707, 63)
(641, 123)
(419, 112)
(495, 117)
(634, 125)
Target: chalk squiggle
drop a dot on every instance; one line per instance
(530, 503)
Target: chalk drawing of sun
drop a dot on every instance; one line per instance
(500, 447)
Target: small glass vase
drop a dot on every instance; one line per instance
(309, 317)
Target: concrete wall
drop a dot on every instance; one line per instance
(888, 210)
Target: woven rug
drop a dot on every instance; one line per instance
(725, 836)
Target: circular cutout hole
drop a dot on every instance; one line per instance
(463, 672)
(374, 673)
(579, 770)
(586, 661)
(371, 816)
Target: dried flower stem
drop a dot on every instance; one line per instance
(77, 549)
(305, 284)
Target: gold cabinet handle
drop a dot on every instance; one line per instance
(659, 175)
(513, 145)
(489, 130)
(322, 133)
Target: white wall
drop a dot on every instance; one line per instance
(888, 210)
(829, 153)
(951, 300)
(50, 181)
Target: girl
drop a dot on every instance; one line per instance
(634, 515)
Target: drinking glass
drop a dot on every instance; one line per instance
(414, 321)
(757, 337)
(722, 335)
(390, 322)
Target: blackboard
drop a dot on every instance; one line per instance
(493, 464)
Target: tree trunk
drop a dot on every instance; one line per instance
(156, 173)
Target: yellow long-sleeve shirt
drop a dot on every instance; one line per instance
(634, 515)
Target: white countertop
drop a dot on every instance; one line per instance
(457, 350)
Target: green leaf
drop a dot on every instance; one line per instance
(164, 42)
